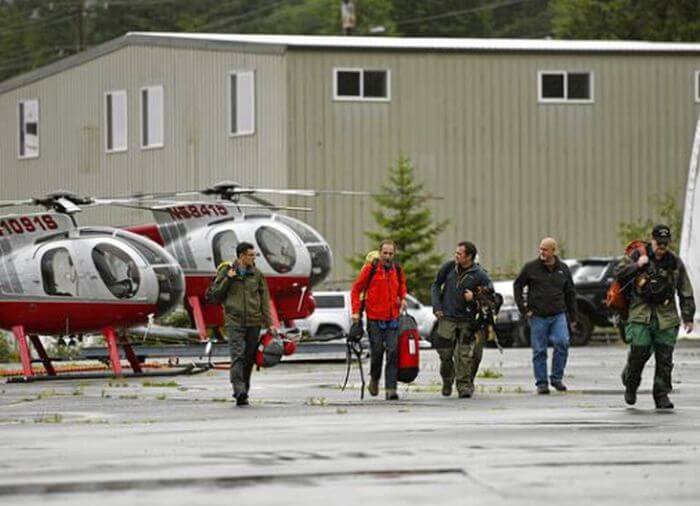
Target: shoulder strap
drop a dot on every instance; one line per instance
(372, 272)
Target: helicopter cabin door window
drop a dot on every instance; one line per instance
(224, 247)
(373, 85)
(115, 122)
(152, 117)
(277, 249)
(29, 129)
(117, 269)
(58, 273)
(241, 103)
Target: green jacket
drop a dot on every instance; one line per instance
(245, 298)
(640, 311)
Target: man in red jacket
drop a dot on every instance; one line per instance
(384, 286)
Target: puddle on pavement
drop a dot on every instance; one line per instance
(151, 485)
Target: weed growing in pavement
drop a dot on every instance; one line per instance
(46, 418)
(489, 374)
(341, 411)
(169, 384)
(219, 399)
(161, 397)
(316, 401)
(129, 396)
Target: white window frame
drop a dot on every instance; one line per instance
(565, 100)
(240, 133)
(696, 84)
(126, 121)
(162, 117)
(361, 97)
(20, 124)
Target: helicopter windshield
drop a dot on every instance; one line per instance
(117, 269)
(58, 273)
(277, 249)
(224, 246)
(305, 232)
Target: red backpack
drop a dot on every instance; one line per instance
(617, 298)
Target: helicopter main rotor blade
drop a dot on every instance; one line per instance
(12, 203)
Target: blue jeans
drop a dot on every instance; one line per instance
(543, 330)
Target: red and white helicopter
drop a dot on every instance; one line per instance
(201, 234)
(60, 279)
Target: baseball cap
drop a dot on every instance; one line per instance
(661, 233)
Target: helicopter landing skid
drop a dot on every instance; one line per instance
(113, 343)
(188, 369)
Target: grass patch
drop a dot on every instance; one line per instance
(489, 374)
(316, 401)
(49, 418)
(219, 399)
(341, 411)
(129, 396)
(166, 384)
(161, 397)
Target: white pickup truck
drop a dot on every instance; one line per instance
(333, 316)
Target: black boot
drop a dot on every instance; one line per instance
(663, 402)
(632, 373)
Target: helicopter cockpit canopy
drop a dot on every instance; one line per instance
(318, 248)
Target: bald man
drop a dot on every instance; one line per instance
(550, 298)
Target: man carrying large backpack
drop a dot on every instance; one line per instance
(384, 286)
(655, 276)
(459, 343)
(242, 290)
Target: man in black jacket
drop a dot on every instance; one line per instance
(458, 343)
(550, 297)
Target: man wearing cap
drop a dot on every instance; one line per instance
(550, 307)
(652, 326)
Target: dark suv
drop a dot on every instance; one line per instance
(592, 279)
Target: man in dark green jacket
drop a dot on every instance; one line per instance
(654, 279)
(243, 291)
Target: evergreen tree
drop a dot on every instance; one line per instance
(405, 218)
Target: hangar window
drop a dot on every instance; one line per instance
(557, 86)
(241, 103)
(58, 273)
(152, 117)
(115, 121)
(361, 84)
(29, 129)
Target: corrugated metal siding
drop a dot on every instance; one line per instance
(198, 150)
(511, 170)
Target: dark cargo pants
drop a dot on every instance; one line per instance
(645, 340)
(460, 350)
(243, 343)
(381, 341)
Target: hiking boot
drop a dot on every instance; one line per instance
(242, 399)
(467, 393)
(559, 386)
(446, 389)
(373, 387)
(663, 402)
(391, 394)
(543, 389)
(630, 396)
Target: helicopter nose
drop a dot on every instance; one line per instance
(171, 288)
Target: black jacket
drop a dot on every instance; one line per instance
(549, 291)
(449, 286)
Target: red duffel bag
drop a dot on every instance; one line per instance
(408, 349)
